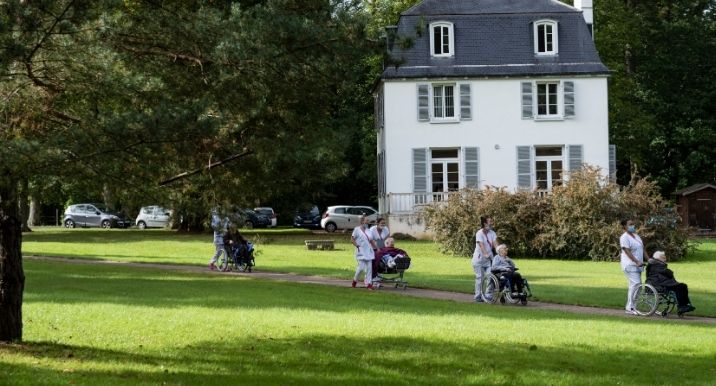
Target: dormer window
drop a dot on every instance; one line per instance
(545, 32)
(442, 41)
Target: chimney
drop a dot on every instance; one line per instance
(588, 13)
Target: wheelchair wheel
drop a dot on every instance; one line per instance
(490, 288)
(645, 299)
(222, 264)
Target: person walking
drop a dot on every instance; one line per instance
(220, 225)
(633, 255)
(485, 241)
(364, 252)
(380, 233)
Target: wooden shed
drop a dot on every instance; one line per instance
(697, 207)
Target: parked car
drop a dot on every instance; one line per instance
(346, 217)
(94, 215)
(268, 212)
(307, 217)
(251, 219)
(153, 217)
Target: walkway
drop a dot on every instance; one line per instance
(415, 292)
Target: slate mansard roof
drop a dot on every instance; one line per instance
(493, 38)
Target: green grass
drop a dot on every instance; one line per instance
(282, 250)
(115, 325)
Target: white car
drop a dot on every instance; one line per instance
(268, 212)
(346, 217)
(153, 217)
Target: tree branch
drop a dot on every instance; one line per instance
(209, 167)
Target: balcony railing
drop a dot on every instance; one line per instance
(411, 202)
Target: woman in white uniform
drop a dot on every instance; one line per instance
(633, 255)
(364, 253)
(485, 241)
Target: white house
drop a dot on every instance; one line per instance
(505, 93)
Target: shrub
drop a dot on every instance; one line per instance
(580, 220)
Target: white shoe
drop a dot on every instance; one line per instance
(631, 312)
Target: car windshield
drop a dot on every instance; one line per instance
(100, 207)
(267, 212)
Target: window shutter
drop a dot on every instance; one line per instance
(575, 157)
(423, 103)
(613, 163)
(524, 167)
(569, 99)
(527, 100)
(465, 108)
(379, 110)
(420, 170)
(472, 167)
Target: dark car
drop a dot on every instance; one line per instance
(307, 217)
(94, 215)
(251, 219)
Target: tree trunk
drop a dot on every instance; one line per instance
(33, 219)
(12, 277)
(24, 205)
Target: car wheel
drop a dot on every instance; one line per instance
(106, 224)
(331, 227)
(70, 224)
(248, 224)
(141, 225)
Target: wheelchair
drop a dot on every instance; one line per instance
(497, 286)
(648, 301)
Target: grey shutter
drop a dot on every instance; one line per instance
(423, 103)
(472, 167)
(575, 157)
(379, 109)
(527, 112)
(465, 108)
(420, 170)
(569, 99)
(524, 167)
(613, 163)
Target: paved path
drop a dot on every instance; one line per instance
(415, 292)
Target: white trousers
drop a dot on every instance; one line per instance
(633, 275)
(480, 267)
(367, 267)
(219, 250)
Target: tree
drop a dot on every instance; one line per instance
(119, 96)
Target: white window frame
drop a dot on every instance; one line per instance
(559, 102)
(555, 37)
(451, 39)
(455, 101)
(549, 158)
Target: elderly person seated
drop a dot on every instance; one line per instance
(662, 278)
(387, 255)
(504, 265)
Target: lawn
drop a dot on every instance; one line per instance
(118, 325)
(283, 250)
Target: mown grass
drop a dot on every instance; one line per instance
(115, 325)
(283, 250)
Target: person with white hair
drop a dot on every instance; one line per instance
(662, 278)
(504, 265)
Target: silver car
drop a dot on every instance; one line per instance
(93, 215)
(153, 217)
(346, 217)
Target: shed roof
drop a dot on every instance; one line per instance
(694, 188)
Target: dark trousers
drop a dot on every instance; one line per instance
(682, 293)
(515, 280)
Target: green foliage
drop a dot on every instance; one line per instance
(580, 220)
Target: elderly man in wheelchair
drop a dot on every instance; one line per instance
(661, 293)
(504, 283)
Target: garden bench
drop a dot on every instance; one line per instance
(324, 245)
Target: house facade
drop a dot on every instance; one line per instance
(503, 93)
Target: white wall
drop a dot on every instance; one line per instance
(496, 111)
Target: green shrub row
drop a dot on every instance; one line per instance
(577, 221)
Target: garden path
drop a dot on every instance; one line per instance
(415, 292)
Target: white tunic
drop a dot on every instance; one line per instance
(363, 239)
(634, 244)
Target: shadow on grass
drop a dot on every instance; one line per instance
(329, 360)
